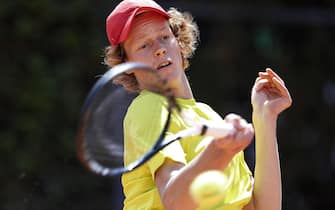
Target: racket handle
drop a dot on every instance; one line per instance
(217, 130)
(207, 128)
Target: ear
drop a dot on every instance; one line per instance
(125, 59)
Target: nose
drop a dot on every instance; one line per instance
(160, 51)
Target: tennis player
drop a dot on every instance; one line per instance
(142, 31)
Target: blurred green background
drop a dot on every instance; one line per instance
(51, 53)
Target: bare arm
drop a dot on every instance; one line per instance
(269, 98)
(173, 179)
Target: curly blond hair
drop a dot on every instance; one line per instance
(184, 29)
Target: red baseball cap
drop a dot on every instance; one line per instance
(119, 21)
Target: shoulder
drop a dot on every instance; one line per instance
(147, 110)
(208, 111)
(146, 104)
(204, 106)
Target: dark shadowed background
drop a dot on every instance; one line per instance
(51, 53)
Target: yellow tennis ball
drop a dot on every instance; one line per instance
(208, 188)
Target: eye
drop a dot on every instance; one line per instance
(165, 37)
(143, 46)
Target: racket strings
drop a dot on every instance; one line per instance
(104, 154)
(101, 155)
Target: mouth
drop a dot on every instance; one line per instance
(164, 65)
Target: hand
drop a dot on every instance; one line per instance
(269, 95)
(238, 140)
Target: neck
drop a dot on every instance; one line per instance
(184, 90)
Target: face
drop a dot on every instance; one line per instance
(152, 42)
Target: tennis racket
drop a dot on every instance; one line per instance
(100, 144)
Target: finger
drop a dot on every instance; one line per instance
(262, 83)
(264, 74)
(249, 131)
(258, 78)
(232, 117)
(240, 124)
(282, 89)
(269, 74)
(237, 121)
(246, 135)
(275, 87)
(274, 75)
(274, 91)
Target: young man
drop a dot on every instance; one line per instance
(141, 31)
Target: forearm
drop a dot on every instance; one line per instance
(267, 189)
(175, 194)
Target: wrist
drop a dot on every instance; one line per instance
(218, 156)
(264, 118)
(217, 149)
(266, 114)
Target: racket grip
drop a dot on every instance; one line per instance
(217, 130)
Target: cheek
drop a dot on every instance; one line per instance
(130, 55)
(176, 49)
(137, 57)
(140, 77)
(144, 80)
